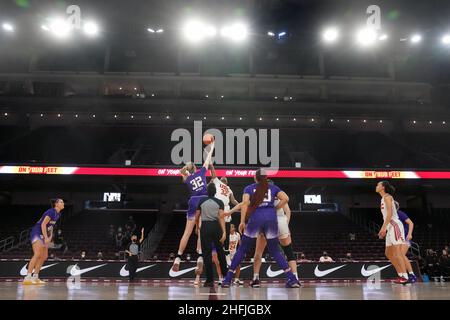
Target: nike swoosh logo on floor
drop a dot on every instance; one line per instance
(246, 267)
(368, 273)
(174, 274)
(126, 273)
(272, 274)
(24, 270)
(76, 272)
(320, 274)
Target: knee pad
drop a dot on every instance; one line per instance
(289, 252)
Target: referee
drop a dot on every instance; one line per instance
(133, 252)
(209, 219)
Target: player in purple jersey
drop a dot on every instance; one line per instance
(258, 215)
(40, 236)
(408, 225)
(196, 182)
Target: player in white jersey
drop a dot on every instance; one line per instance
(392, 230)
(224, 193)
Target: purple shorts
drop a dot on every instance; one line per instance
(262, 222)
(192, 206)
(36, 235)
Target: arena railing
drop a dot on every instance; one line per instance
(156, 235)
(414, 249)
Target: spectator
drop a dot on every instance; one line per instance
(431, 264)
(188, 257)
(111, 232)
(303, 258)
(131, 224)
(155, 257)
(348, 258)
(352, 236)
(420, 262)
(325, 258)
(171, 256)
(119, 240)
(99, 256)
(127, 234)
(83, 255)
(444, 265)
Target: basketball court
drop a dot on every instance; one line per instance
(172, 290)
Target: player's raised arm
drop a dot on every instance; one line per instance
(184, 172)
(209, 156)
(213, 171)
(142, 236)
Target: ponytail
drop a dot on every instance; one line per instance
(260, 193)
(388, 188)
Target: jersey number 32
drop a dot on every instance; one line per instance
(197, 183)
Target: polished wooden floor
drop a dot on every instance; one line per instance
(176, 291)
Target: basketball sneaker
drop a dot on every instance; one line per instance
(176, 264)
(412, 278)
(401, 280)
(255, 283)
(238, 282)
(28, 281)
(199, 265)
(226, 283)
(39, 281)
(292, 283)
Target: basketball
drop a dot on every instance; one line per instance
(208, 138)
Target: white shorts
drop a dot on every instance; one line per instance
(232, 253)
(395, 234)
(283, 228)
